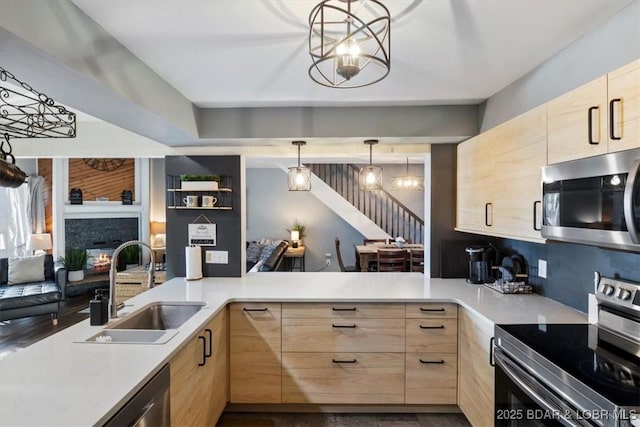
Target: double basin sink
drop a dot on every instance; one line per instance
(155, 323)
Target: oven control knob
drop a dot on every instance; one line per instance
(608, 289)
(624, 294)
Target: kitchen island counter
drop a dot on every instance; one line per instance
(62, 381)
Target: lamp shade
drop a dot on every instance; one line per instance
(158, 227)
(39, 242)
(295, 235)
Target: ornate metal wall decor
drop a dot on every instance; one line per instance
(349, 43)
(32, 114)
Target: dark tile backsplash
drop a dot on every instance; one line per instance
(99, 232)
(570, 268)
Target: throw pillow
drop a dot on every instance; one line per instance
(26, 269)
(268, 249)
(253, 251)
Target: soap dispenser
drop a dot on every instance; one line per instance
(99, 309)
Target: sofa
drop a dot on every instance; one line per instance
(265, 255)
(30, 292)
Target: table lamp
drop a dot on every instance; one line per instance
(295, 237)
(158, 231)
(39, 243)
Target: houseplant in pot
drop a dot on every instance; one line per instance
(74, 261)
(297, 233)
(129, 257)
(190, 182)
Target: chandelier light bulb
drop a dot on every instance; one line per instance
(371, 178)
(300, 179)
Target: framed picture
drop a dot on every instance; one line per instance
(202, 234)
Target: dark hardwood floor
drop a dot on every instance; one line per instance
(20, 333)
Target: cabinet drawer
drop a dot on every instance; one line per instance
(343, 311)
(431, 378)
(432, 335)
(431, 310)
(255, 327)
(343, 378)
(360, 335)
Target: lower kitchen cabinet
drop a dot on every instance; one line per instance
(199, 376)
(431, 378)
(254, 350)
(476, 375)
(343, 378)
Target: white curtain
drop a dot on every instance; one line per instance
(14, 220)
(36, 204)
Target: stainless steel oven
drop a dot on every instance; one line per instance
(595, 201)
(573, 374)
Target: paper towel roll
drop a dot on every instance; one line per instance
(193, 262)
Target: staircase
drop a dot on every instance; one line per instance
(379, 206)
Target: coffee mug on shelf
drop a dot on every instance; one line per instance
(209, 201)
(191, 201)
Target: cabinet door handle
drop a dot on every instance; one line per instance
(590, 125)
(343, 326)
(432, 362)
(261, 310)
(204, 351)
(344, 361)
(343, 309)
(612, 133)
(486, 213)
(431, 327)
(535, 216)
(491, 343)
(431, 310)
(210, 333)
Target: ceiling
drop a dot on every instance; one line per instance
(253, 53)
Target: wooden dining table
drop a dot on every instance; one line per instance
(367, 253)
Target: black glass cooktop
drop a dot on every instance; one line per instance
(611, 372)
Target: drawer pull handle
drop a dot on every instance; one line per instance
(343, 326)
(431, 327)
(255, 309)
(431, 310)
(432, 362)
(344, 361)
(343, 309)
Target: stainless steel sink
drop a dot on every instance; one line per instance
(137, 336)
(159, 316)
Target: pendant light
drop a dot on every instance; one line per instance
(407, 182)
(349, 43)
(299, 177)
(370, 176)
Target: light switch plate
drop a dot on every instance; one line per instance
(542, 268)
(217, 257)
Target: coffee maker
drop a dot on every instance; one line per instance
(481, 260)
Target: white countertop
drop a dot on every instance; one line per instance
(60, 382)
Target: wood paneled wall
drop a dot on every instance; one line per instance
(95, 183)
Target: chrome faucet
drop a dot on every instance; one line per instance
(112, 273)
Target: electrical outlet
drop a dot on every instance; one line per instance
(327, 255)
(217, 257)
(542, 268)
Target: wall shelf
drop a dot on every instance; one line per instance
(176, 195)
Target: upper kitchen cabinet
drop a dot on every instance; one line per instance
(499, 178)
(599, 117)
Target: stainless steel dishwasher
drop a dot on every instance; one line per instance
(149, 407)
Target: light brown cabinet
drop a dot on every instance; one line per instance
(199, 376)
(602, 116)
(499, 188)
(431, 365)
(255, 353)
(476, 381)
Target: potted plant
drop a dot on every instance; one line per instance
(299, 229)
(74, 261)
(190, 182)
(129, 256)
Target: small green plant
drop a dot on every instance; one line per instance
(299, 228)
(191, 177)
(131, 254)
(74, 259)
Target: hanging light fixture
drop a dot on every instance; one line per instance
(407, 182)
(370, 176)
(349, 43)
(299, 178)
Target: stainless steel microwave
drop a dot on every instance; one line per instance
(594, 201)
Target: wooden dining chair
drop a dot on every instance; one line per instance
(350, 268)
(416, 260)
(392, 259)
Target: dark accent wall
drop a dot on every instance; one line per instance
(228, 223)
(94, 233)
(570, 268)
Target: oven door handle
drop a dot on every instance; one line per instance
(629, 201)
(548, 402)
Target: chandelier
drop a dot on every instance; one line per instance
(299, 177)
(370, 177)
(349, 43)
(407, 182)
